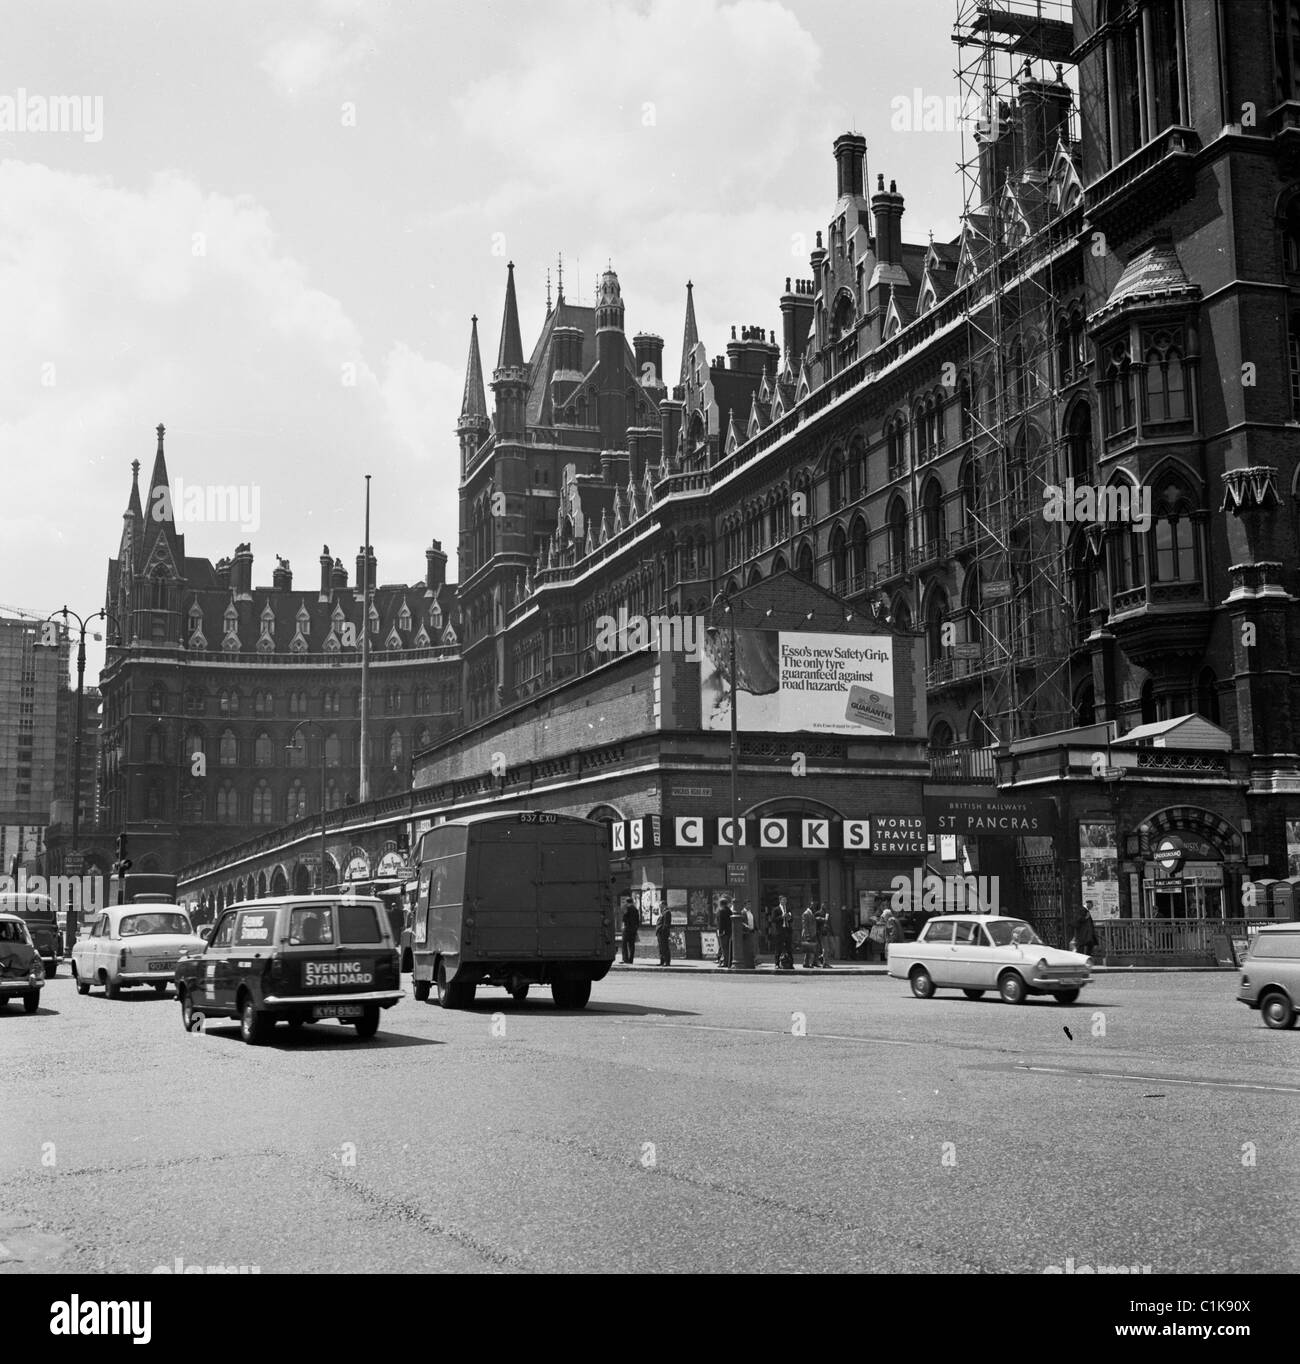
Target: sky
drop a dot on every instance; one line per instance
(270, 224)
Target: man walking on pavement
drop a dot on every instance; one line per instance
(784, 935)
(724, 934)
(808, 936)
(663, 925)
(631, 923)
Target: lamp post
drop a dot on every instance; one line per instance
(293, 748)
(724, 599)
(76, 740)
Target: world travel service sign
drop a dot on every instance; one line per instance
(976, 816)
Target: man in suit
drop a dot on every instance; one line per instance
(663, 926)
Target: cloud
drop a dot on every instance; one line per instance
(172, 305)
(300, 58)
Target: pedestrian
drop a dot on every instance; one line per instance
(724, 934)
(824, 941)
(784, 935)
(808, 935)
(1085, 932)
(631, 923)
(663, 926)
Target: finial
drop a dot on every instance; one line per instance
(559, 269)
(689, 285)
(135, 469)
(161, 429)
(474, 319)
(548, 291)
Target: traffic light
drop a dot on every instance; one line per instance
(121, 867)
(121, 847)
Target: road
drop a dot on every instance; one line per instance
(678, 1123)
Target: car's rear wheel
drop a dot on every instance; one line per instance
(191, 1019)
(368, 1024)
(32, 1001)
(112, 988)
(421, 988)
(51, 968)
(1276, 1010)
(1065, 996)
(520, 993)
(445, 1000)
(160, 988)
(1012, 988)
(922, 983)
(571, 994)
(83, 986)
(973, 994)
(254, 1024)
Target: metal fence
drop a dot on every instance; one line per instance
(1152, 940)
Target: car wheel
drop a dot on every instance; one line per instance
(445, 1000)
(254, 1025)
(1065, 996)
(160, 988)
(973, 994)
(190, 1020)
(51, 968)
(1276, 1010)
(520, 994)
(368, 1024)
(83, 986)
(1012, 988)
(112, 989)
(421, 988)
(922, 983)
(32, 1001)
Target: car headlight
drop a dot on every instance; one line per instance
(1042, 964)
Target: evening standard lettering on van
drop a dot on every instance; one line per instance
(336, 973)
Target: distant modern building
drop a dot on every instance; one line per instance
(66, 776)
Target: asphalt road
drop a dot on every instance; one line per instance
(677, 1123)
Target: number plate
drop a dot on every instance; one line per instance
(162, 965)
(534, 817)
(338, 1011)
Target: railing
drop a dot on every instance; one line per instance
(1176, 142)
(1155, 938)
(962, 762)
(932, 551)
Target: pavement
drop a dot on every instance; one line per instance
(690, 966)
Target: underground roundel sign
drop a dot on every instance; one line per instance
(1169, 855)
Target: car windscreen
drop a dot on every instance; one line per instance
(358, 924)
(1275, 945)
(134, 925)
(1006, 931)
(13, 932)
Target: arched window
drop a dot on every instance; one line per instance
(835, 481)
(1174, 536)
(332, 750)
(262, 813)
(192, 807)
(229, 749)
(896, 447)
(964, 407)
(1145, 72)
(1164, 394)
(897, 537)
(1085, 705)
(1078, 442)
(227, 805)
(839, 559)
(931, 519)
(970, 496)
(936, 613)
(295, 801)
(858, 547)
(1117, 391)
(263, 752)
(1148, 702)
(395, 749)
(156, 748)
(902, 613)
(807, 568)
(857, 470)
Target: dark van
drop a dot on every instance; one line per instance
(42, 920)
(513, 900)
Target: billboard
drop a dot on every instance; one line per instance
(788, 681)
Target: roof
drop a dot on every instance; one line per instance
(1185, 731)
(1154, 275)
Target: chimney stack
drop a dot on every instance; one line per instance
(362, 558)
(326, 566)
(887, 206)
(435, 572)
(282, 577)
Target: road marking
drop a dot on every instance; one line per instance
(780, 1032)
(1160, 1079)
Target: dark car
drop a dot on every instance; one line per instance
(42, 921)
(294, 959)
(21, 971)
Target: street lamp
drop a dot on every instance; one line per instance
(76, 754)
(724, 599)
(293, 748)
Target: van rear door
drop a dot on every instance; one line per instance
(501, 892)
(573, 895)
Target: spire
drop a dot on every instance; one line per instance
(133, 502)
(158, 479)
(511, 354)
(690, 335)
(473, 405)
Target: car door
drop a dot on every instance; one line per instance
(964, 953)
(95, 949)
(984, 958)
(215, 965)
(935, 951)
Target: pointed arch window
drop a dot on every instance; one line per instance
(1174, 537)
(936, 614)
(932, 518)
(229, 749)
(1165, 389)
(263, 754)
(858, 548)
(896, 447)
(262, 809)
(227, 805)
(1117, 391)
(839, 559)
(835, 480)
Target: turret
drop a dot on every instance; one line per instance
(611, 359)
(472, 428)
(510, 378)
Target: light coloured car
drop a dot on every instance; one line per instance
(21, 970)
(136, 944)
(1270, 975)
(974, 953)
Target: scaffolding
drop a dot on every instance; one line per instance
(1011, 57)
